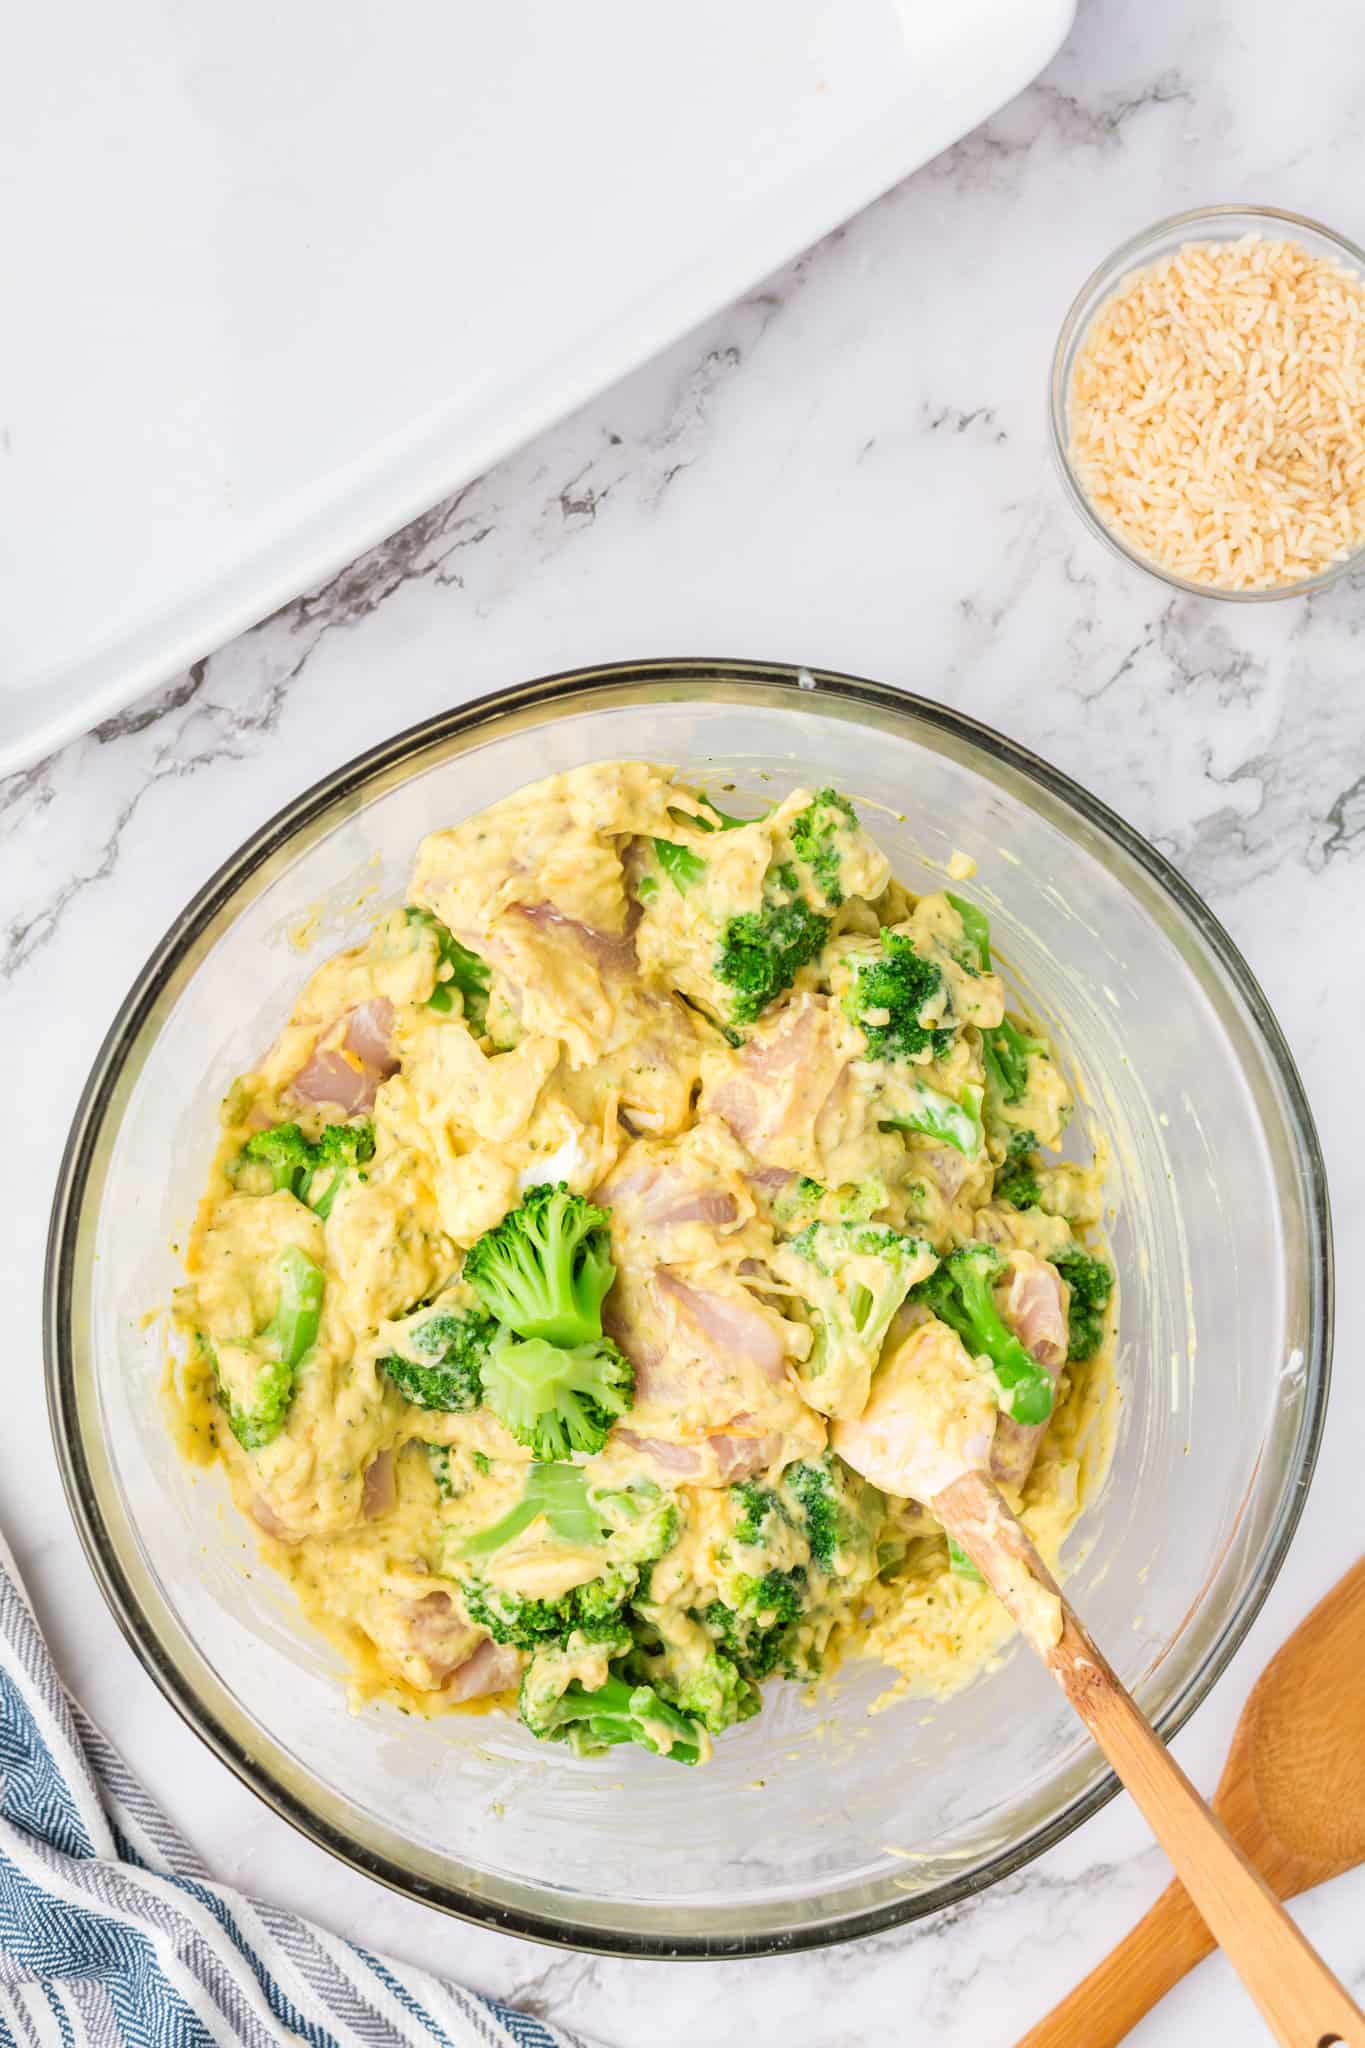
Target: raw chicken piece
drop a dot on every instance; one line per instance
(492, 1667)
(348, 1075)
(380, 1493)
(784, 1078)
(611, 952)
(437, 1651)
(725, 1327)
(678, 1461)
(652, 1196)
(369, 1034)
(693, 1349)
(265, 1518)
(564, 979)
(1033, 1305)
(930, 1418)
(716, 1460)
(739, 1457)
(630, 1318)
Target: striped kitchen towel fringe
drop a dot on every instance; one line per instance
(114, 1935)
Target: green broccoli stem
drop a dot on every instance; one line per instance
(960, 1295)
(683, 867)
(977, 928)
(727, 821)
(560, 1494)
(456, 969)
(285, 1342)
(293, 1329)
(1027, 1387)
(1005, 1054)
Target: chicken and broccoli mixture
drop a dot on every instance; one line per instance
(598, 1242)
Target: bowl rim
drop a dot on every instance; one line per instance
(1106, 278)
(98, 1096)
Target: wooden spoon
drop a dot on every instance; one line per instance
(1292, 1793)
(1300, 2000)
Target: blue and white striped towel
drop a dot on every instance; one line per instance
(113, 1934)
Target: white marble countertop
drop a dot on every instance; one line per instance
(848, 468)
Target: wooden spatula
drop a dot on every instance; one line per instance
(1299, 1998)
(1292, 1794)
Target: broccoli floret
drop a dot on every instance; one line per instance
(340, 1149)
(1091, 1283)
(762, 951)
(285, 1154)
(805, 1201)
(438, 1458)
(714, 1692)
(557, 1707)
(814, 1489)
(817, 835)
(839, 1513)
(641, 1519)
(593, 1610)
(631, 1526)
(441, 1364)
(1006, 1052)
(637, 1523)
(852, 1277)
(281, 1348)
(800, 1201)
(545, 1270)
(683, 867)
(1005, 1049)
(915, 1106)
(774, 1601)
(753, 1502)
(556, 1399)
(1016, 1180)
(457, 969)
(887, 997)
(751, 1625)
(292, 1160)
(960, 1294)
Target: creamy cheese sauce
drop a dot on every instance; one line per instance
(607, 1051)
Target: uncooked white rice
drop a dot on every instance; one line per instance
(1217, 413)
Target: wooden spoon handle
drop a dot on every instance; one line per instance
(1104, 2008)
(1300, 2000)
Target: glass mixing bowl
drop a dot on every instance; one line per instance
(817, 1821)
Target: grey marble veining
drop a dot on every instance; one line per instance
(847, 468)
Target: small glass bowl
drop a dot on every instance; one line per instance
(1202, 224)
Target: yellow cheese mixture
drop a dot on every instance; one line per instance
(616, 1252)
